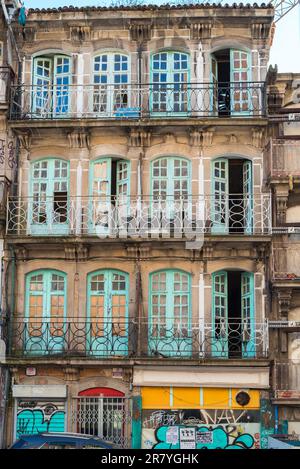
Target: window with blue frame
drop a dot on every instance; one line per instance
(48, 203)
(170, 331)
(111, 80)
(51, 86)
(169, 83)
(233, 321)
(107, 313)
(45, 313)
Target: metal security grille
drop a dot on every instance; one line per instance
(106, 417)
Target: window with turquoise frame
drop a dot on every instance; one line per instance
(107, 313)
(170, 189)
(45, 312)
(109, 194)
(233, 320)
(170, 330)
(169, 93)
(48, 202)
(111, 80)
(51, 95)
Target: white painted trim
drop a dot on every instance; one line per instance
(39, 392)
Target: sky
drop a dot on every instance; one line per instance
(285, 50)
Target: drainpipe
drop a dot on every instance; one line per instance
(12, 298)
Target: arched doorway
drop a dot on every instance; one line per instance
(103, 412)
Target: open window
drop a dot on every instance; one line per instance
(51, 86)
(110, 191)
(48, 206)
(232, 196)
(231, 76)
(233, 333)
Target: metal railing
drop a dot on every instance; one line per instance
(169, 338)
(286, 379)
(134, 101)
(6, 79)
(282, 158)
(141, 217)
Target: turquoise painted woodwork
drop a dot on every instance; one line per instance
(219, 342)
(170, 332)
(108, 212)
(111, 79)
(247, 315)
(136, 422)
(220, 196)
(248, 196)
(48, 210)
(51, 86)
(170, 77)
(240, 76)
(107, 313)
(45, 312)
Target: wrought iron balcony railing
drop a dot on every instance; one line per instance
(141, 217)
(286, 379)
(6, 78)
(282, 159)
(169, 338)
(134, 101)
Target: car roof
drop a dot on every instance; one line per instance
(77, 438)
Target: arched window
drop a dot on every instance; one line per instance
(107, 312)
(233, 322)
(48, 212)
(51, 85)
(111, 78)
(169, 78)
(45, 311)
(232, 196)
(170, 313)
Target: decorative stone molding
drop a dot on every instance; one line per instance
(257, 137)
(82, 252)
(284, 297)
(208, 250)
(144, 252)
(201, 30)
(21, 253)
(140, 138)
(281, 195)
(195, 137)
(207, 136)
(71, 374)
(29, 34)
(79, 139)
(25, 139)
(70, 253)
(232, 138)
(80, 33)
(260, 30)
(132, 251)
(140, 32)
(169, 138)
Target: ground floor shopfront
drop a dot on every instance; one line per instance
(149, 409)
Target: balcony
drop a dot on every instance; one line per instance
(286, 380)
(100, 339)
(282, 160)
(140, 217)
(139, 101)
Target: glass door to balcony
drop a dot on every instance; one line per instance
(233, 323)
(51, 86)
(107, 322)
(109, 204)
(170, 204)
(169, 93)
(111, 86)
(45, 313)
(231, 90)
(48, 211)
(231, 196)
(170, 329)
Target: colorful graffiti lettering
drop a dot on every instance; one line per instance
(220, 437)
(42, 419)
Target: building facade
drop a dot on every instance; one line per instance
(140, 233)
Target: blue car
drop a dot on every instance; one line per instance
(61, 441)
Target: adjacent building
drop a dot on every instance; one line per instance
(149, 230)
